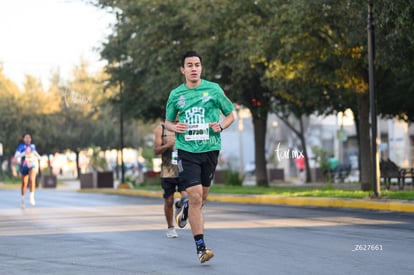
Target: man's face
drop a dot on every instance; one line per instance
(192, 70)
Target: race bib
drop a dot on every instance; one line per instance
(197, 132)
(174, 158)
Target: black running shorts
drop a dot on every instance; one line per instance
(197, 168)
(170, 186)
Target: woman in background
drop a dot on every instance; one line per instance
(29, 164)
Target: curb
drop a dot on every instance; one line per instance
(366, 204)
(394, 206)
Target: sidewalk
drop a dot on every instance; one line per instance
(367, 203)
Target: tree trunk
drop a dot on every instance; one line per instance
(301, 135)
(364, 141)
(260, 125)
(9, 166)
(78, 168)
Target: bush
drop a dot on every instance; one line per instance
(11, 180)
(233, 178)
(133, 181)
(152, 178)
(322, 160)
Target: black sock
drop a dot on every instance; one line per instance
(199, 241)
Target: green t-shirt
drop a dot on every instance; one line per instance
(198, 107)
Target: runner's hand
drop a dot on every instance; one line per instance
(181, 127)
(215, 126)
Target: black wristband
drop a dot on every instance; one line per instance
(221, 128)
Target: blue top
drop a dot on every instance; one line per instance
(20, 152)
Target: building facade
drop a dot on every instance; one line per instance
(335, 134)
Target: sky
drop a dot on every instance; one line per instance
(38, 37)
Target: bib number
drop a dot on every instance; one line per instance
(197, 132)
(174, 158)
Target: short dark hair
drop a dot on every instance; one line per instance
(189, 54)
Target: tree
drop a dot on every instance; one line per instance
(9, 118)
(393, 23)
(321, 65)
(143, 49)
(296, 57)
(231, 41)
(72, 115)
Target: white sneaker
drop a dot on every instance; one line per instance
(32, 200)
(171, 233)
(22, 204)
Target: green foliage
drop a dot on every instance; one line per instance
(289, 57)
(132, 180)
(322, 161)
(97, 161)
(400, 195)
(148, 154)
(143, 53)
(232, 177)
(294, 191)
(321, 157)
(71, 114)
(152, 178)
(335, 191)
(394, 22)
(11, 180)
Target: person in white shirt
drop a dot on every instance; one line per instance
(29, 165)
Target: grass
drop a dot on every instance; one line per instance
(8, 180)
(15, 182)
(299, 191)
(338, 191)
(400, 195)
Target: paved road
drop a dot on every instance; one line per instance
(80, 233)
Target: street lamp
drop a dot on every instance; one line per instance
(121, 113)
(121, 132)
(374, 143)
